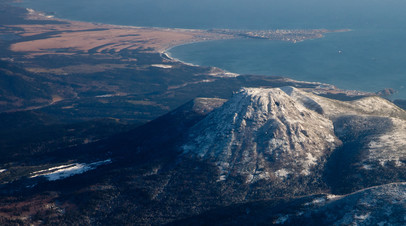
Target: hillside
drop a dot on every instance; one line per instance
(282, 147)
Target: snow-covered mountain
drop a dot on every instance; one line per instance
(288, 134)
(263, 134)
(266, 156)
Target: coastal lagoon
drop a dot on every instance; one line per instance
(370, 58)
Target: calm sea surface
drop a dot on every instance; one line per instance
(370, 58)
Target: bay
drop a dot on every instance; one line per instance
(369, 58)
(360, 59)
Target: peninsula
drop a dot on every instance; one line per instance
(73, 37)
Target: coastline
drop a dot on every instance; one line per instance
(168, 55)
(162, 46)
(166, 51)
(95, 118)
(201, 35)
(159, 40)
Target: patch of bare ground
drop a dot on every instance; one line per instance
(83, 37)
(82, 68)
(30, 209)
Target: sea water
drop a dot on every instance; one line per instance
(370, 58)
(360, 59)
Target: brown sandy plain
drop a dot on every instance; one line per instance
(74, 36)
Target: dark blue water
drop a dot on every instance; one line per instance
(248, 14)
(372, 55)
(362, 60)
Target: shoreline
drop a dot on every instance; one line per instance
(166, 52)
(213, 34)
(155, 36)
(195, 36)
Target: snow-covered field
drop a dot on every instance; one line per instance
(165, 66)
(64, 171)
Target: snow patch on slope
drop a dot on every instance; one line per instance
(391, 146)
(282, 173)
(64, 171)
(369, 206)
(367, 106)
(165, 66)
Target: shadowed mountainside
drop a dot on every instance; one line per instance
(154, 176)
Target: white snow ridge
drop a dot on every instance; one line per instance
(64, 171)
